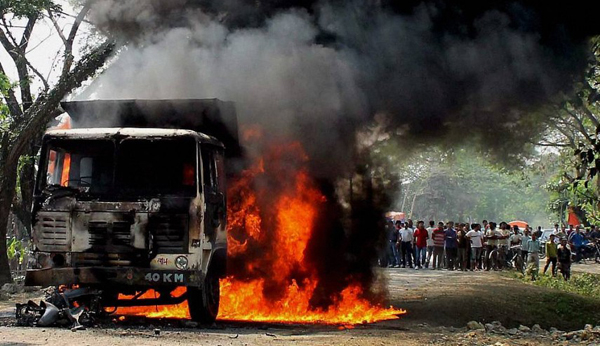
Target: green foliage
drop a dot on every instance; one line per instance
(15, 248)
(26, 8)
(580, 283)
(461, 184)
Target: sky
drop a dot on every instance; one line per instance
(45, 49)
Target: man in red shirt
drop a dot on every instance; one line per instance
(439, 236)
(421, 236)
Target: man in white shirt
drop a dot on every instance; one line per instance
(491, 235)
(476, 237)
(407, 236)
(430, 246)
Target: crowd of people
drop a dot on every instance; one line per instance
(484, 246)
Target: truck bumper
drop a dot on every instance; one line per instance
(130, 276)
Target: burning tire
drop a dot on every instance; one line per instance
(204, 302)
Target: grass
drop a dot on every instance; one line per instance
(580, 283)
(567, 304)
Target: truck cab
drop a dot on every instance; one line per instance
(124, 210)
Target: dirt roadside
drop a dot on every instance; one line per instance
(439, 305)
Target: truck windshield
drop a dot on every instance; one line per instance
(131, 167)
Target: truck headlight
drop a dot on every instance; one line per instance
(181, 262)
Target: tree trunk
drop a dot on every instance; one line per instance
(35, 119)
(8, 177)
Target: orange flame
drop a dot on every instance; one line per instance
(295, 211)
(66, 170)
(160, 311)
(292, 209)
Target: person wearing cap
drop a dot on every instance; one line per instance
(551, 254)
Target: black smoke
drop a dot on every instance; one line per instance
(319, 71)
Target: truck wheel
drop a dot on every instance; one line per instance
(203, 303)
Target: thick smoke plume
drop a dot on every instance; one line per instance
(318, 71)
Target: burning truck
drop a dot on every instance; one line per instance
(134, 201)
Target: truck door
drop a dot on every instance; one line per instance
(213, 190)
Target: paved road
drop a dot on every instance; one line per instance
(589, 267)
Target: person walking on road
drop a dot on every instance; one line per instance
(551, 254)
(564, 259)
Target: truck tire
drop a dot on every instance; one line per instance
(203, 303)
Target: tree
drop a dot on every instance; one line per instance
(25, 115)
(573, 129)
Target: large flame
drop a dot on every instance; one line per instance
(295, 203)
(272, 209)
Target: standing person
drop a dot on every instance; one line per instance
(516, 237)
(393, 260)
(485, 226)
(439, 237)
(524, 240)
(577, 239)
(491, 237)
(412, 246)
(551, 254)
(564, 259)
(503, 243)
(421, 237)
(555, 230)
(407, 240)
(563, 232)
(533, 259)
(539, 232)
(399, 227)
(475, 236)
(570, 231)
(430, 245)
(462, 245)
(450, 245)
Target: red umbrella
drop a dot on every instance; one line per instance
(521, 224)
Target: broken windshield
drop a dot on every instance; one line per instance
(133, 167)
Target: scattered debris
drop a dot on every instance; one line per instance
(587, 334)
(60, 308)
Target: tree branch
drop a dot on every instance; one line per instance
(11, 99)
(580, 125)
(27, 32)
(73, 32)
(41, 112)
(57, 27)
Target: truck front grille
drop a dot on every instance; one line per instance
(109, 234)
(86, 259)
(53, 233)
(169, 233)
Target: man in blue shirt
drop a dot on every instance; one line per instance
(577, 241)
(451, 245)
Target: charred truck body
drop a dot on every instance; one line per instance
(125, 209)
